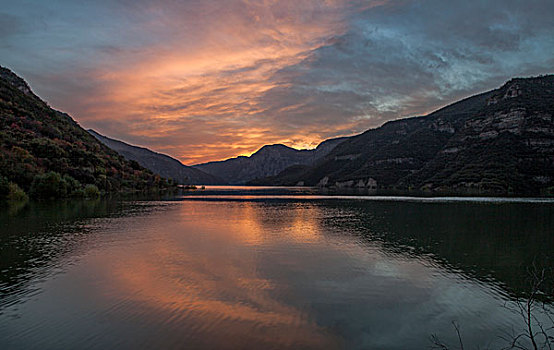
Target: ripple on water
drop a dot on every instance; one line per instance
(292, 273)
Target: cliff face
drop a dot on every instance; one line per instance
(508, 146)
(267, 161)
(501, 141)
(159, 163)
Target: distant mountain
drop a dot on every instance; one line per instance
(287, 177)
(498, 142)
(267, 161)
(159, 163)
(46, 153)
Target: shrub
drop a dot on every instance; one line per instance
(79, 193)
(135, 165)
(16, 193)
(72, 184)
(91, 191)
(4, 187)
(49, 185)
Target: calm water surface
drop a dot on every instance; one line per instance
(238, 268)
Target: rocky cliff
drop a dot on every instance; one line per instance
(498, 142)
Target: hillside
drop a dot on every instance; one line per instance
(269, 160)
(47, 154)
(498, 142)
(162, 164)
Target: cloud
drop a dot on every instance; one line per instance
(408, 58)
(206, 80)
(9, 26)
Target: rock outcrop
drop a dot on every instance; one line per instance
(497, 142)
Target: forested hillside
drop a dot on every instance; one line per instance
(45, 153)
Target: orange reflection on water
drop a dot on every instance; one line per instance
(201, 262)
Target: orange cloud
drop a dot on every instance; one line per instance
(209, 77)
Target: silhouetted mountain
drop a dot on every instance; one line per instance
(159, 163)
(287, 177)
(267, 161)
(498, 142)
(47, 154)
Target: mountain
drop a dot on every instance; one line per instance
(159, 163)
(497, 142)
(45, 153)
(289, 176)
(267, 161)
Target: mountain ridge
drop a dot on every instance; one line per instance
(160, 163)
(46, 153)
(499, 142)
(269, 160)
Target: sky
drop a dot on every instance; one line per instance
(205, 80)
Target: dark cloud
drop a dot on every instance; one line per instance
(407, 58)
(205, 80)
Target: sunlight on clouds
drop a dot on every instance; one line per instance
(218, 84)
(211, 79)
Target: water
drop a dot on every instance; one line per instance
(236, 268)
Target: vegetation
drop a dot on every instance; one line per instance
(46, 154)
(4, 187)
(91, 191)
(49, 185)
(11, 191)
(16, 193)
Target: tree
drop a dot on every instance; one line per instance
(4, 187)
(91, 191)
(49, 185)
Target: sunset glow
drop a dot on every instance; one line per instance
(206, 80)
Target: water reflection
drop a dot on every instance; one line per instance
(269, 273)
